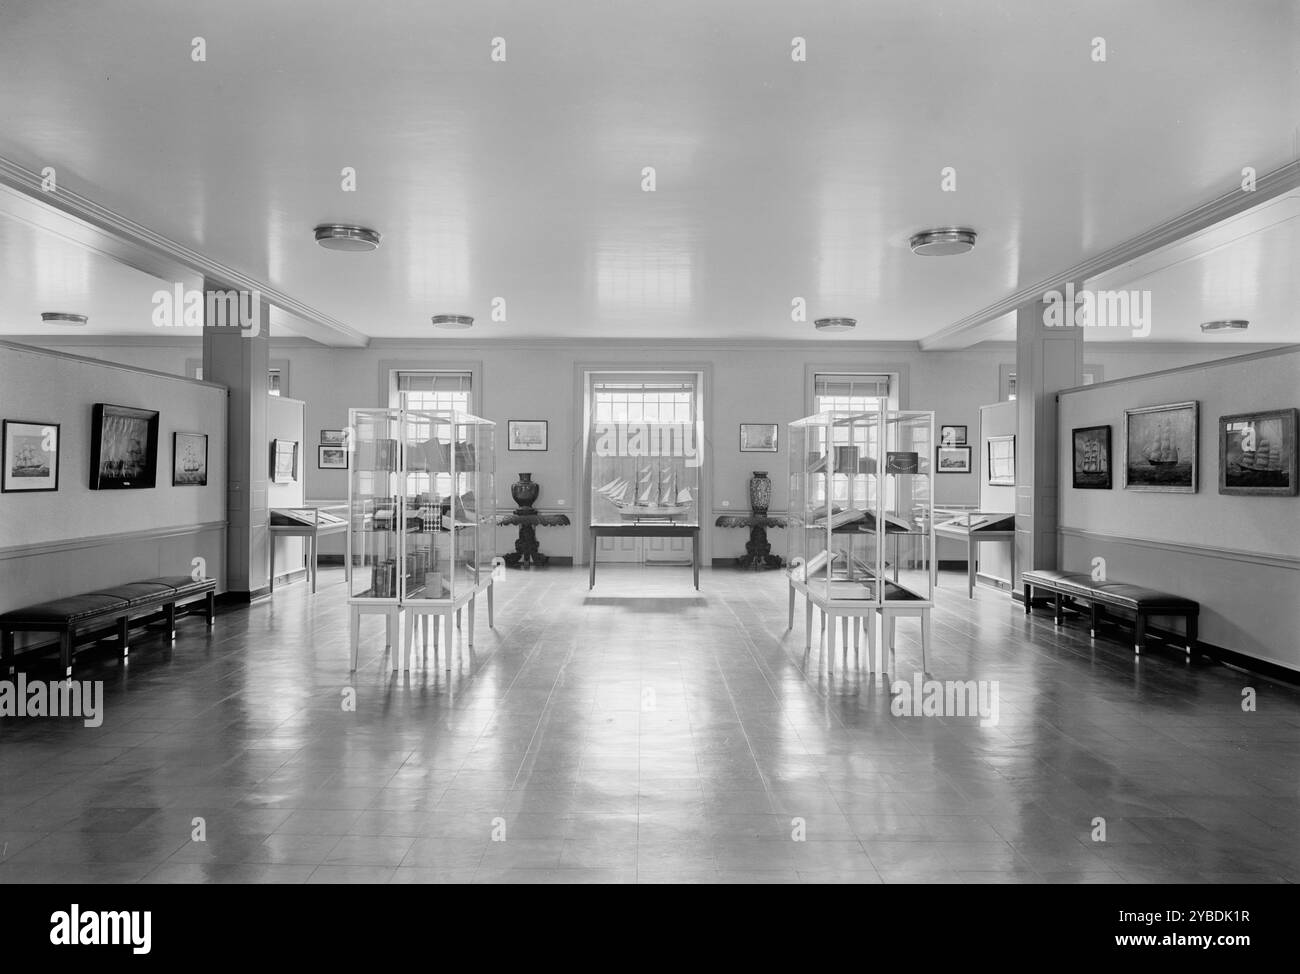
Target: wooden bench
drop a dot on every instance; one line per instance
(1100, 596)
(77, 616)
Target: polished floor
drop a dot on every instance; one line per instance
(644, 732)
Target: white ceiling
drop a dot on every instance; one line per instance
(522, 179)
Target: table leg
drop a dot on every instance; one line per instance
(315, 554)
(356, 636)
(591, 582)
(695, 558)
(491, 623)
(791, 621)
(807, 623)
(972, 556)
(470, 612)
(271, 586)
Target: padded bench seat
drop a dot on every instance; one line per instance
(1142, 602)
(77, 615)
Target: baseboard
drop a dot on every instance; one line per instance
(243, 598)
(993, 581)
(335, 560)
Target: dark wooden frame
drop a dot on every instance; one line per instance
(146, 480)
(939, 469)
(776, 439)
(953, 426)
(4, 452)
(1292, 469)
(1110, 459)
(180, 433)
(275, 453)
(1195, 407)
(989, 451)
(347, 457)
(546, 434)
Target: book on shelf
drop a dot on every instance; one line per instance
(837, 520)
(823, 559)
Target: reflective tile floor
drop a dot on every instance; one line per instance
(644, 732)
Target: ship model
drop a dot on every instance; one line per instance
(655, 495)
(1160, 450)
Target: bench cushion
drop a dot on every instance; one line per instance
(184, 585)
(1047, 577)
(139, 593)
(63, 612)
(1136, 597)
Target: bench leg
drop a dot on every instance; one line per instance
(7, 651)
(1095, 612)
(1139, 633)
(123, 647)
(1059, 609)
(1191, 634)
(211, 607)
(170, 610)
(65, 651)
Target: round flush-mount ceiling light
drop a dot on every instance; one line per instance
(1227, 324)
(452, 321)
(350, 239)
(943, 242)
(63, 318)
(835, 324)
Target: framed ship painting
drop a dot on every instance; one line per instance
(527, 434)
(1257, 453)
(1002, 461)
(189, 459)
(123, 447)
(758, 437)
(31, 457)
(332, 457)
(1160, 447)
(952, 459)
(1091, 457)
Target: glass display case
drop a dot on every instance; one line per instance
(422, 507)
(860, 530)
(645, 474)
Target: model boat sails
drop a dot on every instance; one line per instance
(656, 494)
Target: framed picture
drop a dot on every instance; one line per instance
(31, 457)
(1160, 447)
(952, 459)
(1002, 461)
(123, 447)
(1091, 463)
(189, 459)
(952, 435)
(332, 457)
(1257, 453)
(334, 438)
(284, 461)
(526, 434)
(385, 454)
(758, 437)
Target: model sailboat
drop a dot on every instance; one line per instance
(656, 494)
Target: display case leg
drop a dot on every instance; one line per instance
(356, 637)
(791, 621)
(869, 621)
(449, 638)
(807, 624)
(491, 620)
(829, 642)
(458, 618)
(925, 637)
(469, 610)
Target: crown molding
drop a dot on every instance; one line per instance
(152, 246)
(1267, 187)
(587, 345)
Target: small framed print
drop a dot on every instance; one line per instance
(527, 434)
(332, 458)
(334, 438)
(758, 437)
(952, 459)
(952, 435)
(284, 461)
(902, 462)
(189, 459)
(1002, 461)
(31, 457)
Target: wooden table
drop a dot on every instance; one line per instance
(973, 538)
(758, 552)
(647, 530)
(527, 551)
(302, 522)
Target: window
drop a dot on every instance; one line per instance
(849, 393)
(433, 390)
(650, 400)
(273, 381)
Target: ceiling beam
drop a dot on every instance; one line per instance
(86, 222)
(1267, 187)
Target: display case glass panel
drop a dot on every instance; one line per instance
(423, 504)
(645, 473)
(860, 519)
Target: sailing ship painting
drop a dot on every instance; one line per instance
(124, 447)
(658, 494)
(31, 456)
(189, 459)
(1257, 453)
(1092, 457)
(1160, 448)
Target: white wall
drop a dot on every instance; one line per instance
(1238, 556)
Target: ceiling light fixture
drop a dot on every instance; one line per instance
(944, 242)
(1227, 324)
(341, 236)
(63, 318)
(452, 321)
(835, 324)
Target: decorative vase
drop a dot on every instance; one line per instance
(524, 492)
(760, 492)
